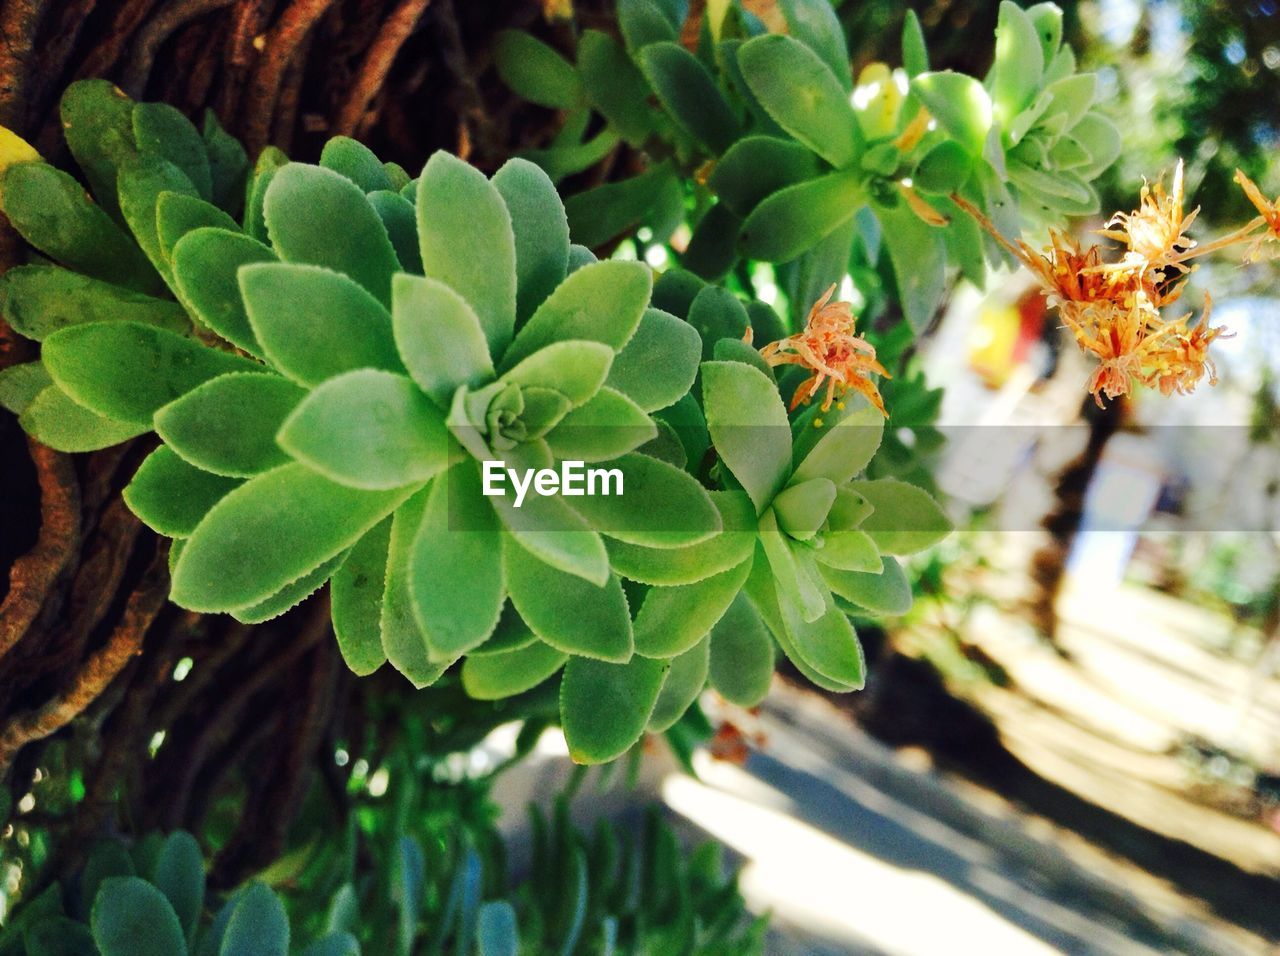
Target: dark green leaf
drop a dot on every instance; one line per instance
(535, 71)
(468, 243)
(314, 324)
(271, 531)
(318, 217)
(605, 707)
(356, 594)
(132, 918)
(127, 370)
(51, 211)
(228, 425)
(37, 301)
(741, 665)
(798, 217)
(690, 94)
(758, 166)
(803, 96)
(357, 162)
(205, 264)
(541, 232)
(171, 496)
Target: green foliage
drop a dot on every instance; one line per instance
(441, 889)
(795, 157)
(333, 379)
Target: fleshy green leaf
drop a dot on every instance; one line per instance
(608, 426)
(127, 370)
(715, 314)
(799, 91)
(814, 23)
(829, 643)
(171, 496)
(495, 676)
(400, 218)
(368, 429)
(289, 596)
(659, 505)
(132, 918)
(576, 368)
(741, 665)
(675, 566)
(905, 520)
(205, 264)
(468, 243)
(690, 94)
(402, 638)
(439, 337)
(37, 301)
(357, 162)
(672, 619)
(356, 595)
(960, 105)
(659, 363)
(749, 427)
(162, 131)
(53, 419)
(314, 323)
(796, 589)
(797, 218)
(269, 162)
(535, 71)
(1019, 61)
(20, 384)
(556, 534)
(604, 708)
(318, 217)
(142, 182)
(888, 592)
(915, 55)
(228, 164)
(918, 252)
(801, 507)
(541, 232)
(228, 425)
(567, 612)
(604, 212)
(850, 550)
(271, 531)
(97, 122)
(683, 684)
(602, 302)
(455, 566)
(843, 448)
(614, 87)
(179, 875)
(758, 166)
(259, 925)
(179, 213)
(52, 212)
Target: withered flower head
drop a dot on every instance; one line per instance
(829, 348)
(1155, 232)
(1269, 213)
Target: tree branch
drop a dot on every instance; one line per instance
(98, 671)
(377, 63)
(33, 574)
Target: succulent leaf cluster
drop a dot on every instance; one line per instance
(148, 897)
(785, 148)
(332, 354)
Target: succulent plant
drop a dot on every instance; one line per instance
(786, 148)
(340, 378)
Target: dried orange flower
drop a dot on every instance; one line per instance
(1269, 213)
(1155, 232)
(1113, 308)
(829, 348)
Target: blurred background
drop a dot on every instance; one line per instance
(1070, 744)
